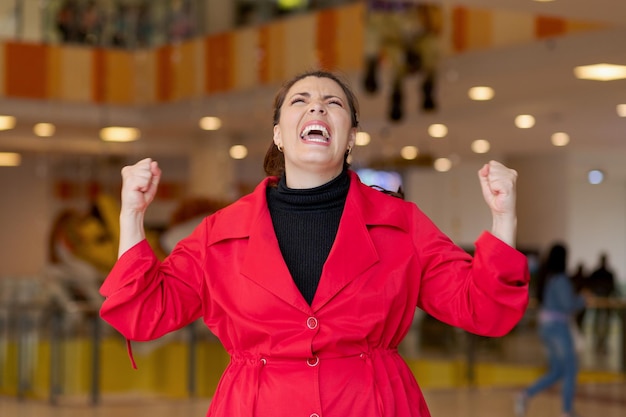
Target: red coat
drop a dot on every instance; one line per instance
(337, 357)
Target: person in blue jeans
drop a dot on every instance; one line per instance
(559, 304)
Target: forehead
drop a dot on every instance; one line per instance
(317, 85)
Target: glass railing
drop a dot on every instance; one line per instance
(139, 23)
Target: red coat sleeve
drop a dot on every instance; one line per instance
(486, 294)
(145, 299)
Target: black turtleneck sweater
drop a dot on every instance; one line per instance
(306, 222)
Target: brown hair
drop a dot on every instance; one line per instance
(274, 163)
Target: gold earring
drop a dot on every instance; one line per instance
(280, 148)
(349, 150)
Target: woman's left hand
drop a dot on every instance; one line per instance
(498, 186)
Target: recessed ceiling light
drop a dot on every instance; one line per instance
(437, 130)
(119, 134)
(10, 159)
(409, 152)
(481, 93)
(362, 139)
(480, 146)
(44, 130)
(442, 164)
(210, 123)
(7, 122)
(560, 139)
(601, 72)
(238, 152)
(524, 121)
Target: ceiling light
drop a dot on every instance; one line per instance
(7, 122)
(238, 152)
(442, 164)
(595, 176)
(362, 139)
(621, 110)
(119, 134)
(10, 159)
(481, 146)
(44, 130)
(210, 123)
(601, 72)
(409, 152)
(437, 130)
(524, 121)
(481, 93)
(560, 139)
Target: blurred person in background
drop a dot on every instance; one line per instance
(311, 281)
(601, 283)
(558, 305)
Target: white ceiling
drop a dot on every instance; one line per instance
(535, 78)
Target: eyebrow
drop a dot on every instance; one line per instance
(308, 95)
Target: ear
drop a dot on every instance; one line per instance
(352, 137)
(277, 136)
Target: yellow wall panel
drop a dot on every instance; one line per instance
(119, 82)
(578, 26)
(184, 55)
(145, 68)
(53, 74)
(512, 28)
(350, 37)
(246, 46)
(300, 44)
(479, 32)
(74, 74)
(275, 55)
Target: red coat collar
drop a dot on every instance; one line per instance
(352, 253)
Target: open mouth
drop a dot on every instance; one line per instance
(315, 133)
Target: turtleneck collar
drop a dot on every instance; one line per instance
(330, 195)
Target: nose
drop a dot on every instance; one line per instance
(317, 107)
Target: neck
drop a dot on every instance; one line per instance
(297, 178)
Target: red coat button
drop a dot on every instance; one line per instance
(311, 323)
(313, 361)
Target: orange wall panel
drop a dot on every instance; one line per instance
(350, 37)
(326, 39)
(98, 76)
(273, 53)
(219, 62)
(460, 24)
(165, 74)
(119, 80)
(546, 27)
(2, 69)
(26, 66)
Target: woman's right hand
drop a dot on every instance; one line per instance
(139, 185)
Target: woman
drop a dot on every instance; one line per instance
(559, 304)
(311, 281)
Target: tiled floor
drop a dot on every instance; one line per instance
(606, 400)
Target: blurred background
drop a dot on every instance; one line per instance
(88, 86)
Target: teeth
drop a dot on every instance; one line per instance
(310, 128)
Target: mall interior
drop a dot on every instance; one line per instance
(90, 86)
